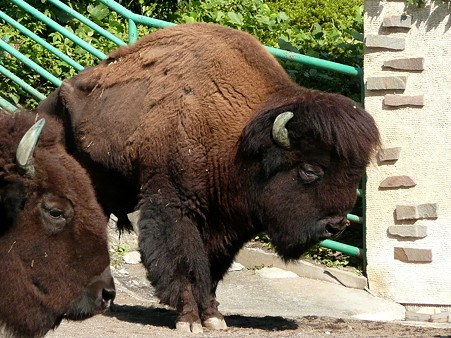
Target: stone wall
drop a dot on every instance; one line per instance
(408, 91)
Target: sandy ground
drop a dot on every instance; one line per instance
(253, 306)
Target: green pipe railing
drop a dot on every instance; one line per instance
(42, 42)
(8, 107)
(56, 26)
(88, 22)
(134, 19)
(33, 65)
(29, 89)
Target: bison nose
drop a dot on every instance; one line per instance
(108, 294)
(335, 226)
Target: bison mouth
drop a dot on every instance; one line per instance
(291, 245)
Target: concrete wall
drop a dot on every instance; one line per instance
(408, 91)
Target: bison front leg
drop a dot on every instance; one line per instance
(211, 317)
(177, 264)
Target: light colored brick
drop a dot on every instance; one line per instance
(389, 154)
(398, 182)
(399, 21)
(416, 231)
(405, 63)
(386, 83)
(428, 210)
(403, 100)
(406, 212)
(387, 42)
(413, 255)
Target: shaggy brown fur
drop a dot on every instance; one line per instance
(179, 125)
(53, 243)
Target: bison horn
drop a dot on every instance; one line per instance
(279, 132)
(25, 150)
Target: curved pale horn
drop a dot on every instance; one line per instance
(24, 153)
(279, 132)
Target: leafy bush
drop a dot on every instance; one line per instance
(329, 29)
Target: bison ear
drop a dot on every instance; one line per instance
(257, 143)
(25, 150)
(12, 201)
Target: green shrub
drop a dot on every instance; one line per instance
(320, 28)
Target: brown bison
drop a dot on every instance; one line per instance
(202, 130)
(53, 242)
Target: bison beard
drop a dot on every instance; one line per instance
(201, 129)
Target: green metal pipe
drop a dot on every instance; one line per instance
(42, 42)
(22, 83)
(132, 31)
(315, 62)
(51, 23)
(88, 22)
(8, 107)
(345, 248)
(141, 19)
(283, 54)
(355, 218)
(30, 63)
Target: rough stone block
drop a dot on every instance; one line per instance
(386, 82)
(398, 182)
(405, 64)
(441, 317)
(428, 210)
(389, 154)
(403, 100)
(416, 231)
(400, 21)
(406, 212)
(387, 42)
(413, 255)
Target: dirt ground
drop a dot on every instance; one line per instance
(137, 313)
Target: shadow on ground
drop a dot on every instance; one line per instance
(160, 317)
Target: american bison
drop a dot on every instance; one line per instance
(53, 243)
(202, 130)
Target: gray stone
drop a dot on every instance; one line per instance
(413, 255)
(416, 231)
(133, 257)
(441, 317)
(387, 42)
(386, 83)
(398, 182)
(428, 210)
(276, 273)
(406, 212)
(403, 100)
(347, 279)
(405, 64)
(389, 154)
(400, 21)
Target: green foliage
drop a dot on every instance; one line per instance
(329, 29)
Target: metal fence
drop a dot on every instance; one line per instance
(133, 20)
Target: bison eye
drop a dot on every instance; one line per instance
(56, 213)
(310, 173)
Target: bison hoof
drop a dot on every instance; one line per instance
(214, 323)
(187, 327)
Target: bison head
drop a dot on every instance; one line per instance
(306, 157)
(53, 241)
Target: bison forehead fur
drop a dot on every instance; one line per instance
(180, 125)
(53, 240)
